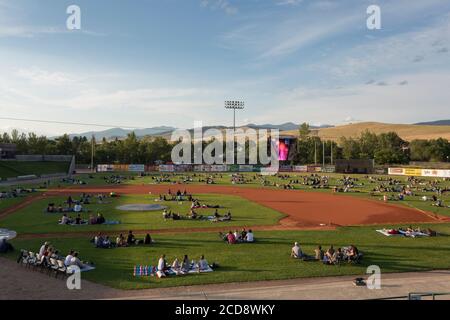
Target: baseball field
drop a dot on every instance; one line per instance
(280, 210)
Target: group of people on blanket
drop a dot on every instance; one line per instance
(182, 267)
(103, 241)
(195, 216)
(412, 231)
(99, 219)
(237, 237)
(331, 256)
(178, 196)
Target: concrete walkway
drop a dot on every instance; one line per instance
(17, 282)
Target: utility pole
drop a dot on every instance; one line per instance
(92, 153)
(331, 152)
(323, 154)
(315, 152)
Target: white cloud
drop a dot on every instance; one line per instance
(224, 5)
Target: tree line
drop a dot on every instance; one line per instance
(385, 148)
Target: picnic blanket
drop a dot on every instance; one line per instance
(85, 223)
(86, 268)
(411, 234)
(140, 270)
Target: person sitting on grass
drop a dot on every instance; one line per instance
(185, 264)
(5, 246)
(237, 236)
(162, 265)
(329, 255)
(337, 257)
(148, 239)
(166, 215)
(226, 217)
(249, 236)
(231, 238)
(92, 219)
(77, 207)
(176, 265)
(121, 241)
(131, 239)
(100, 218)
(51, 208)
(296, 251)
(202, 264)
(65, 219)
(193, 214)
(243, 234)
(352, 254)
(78, 219)
(75, 261)
(319, 253)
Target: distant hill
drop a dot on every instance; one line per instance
(282, 127)
(405, 131)
(121, 133)
(165, 131)
(435, 123)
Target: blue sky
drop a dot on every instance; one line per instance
(172, 62)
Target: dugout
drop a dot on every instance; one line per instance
(365, 166)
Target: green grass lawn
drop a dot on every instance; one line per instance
(9, 202)
(267, 259)
(33, 219)
(12, 168)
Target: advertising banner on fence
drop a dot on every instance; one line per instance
(136, 167)
(413, 172)
(105, 168)
(396, 171)
(300, 168)
(285, 168)
(166, 168)
(436, 173)
(219, 168)
(245, 168)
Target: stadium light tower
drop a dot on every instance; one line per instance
(234, 105)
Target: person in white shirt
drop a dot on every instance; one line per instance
(296, 251)
(162, 263)
(249, 236)
(65, 219)
(69, 258)
(43, 249)
(77, 207)
(237, 235)
(76, 262)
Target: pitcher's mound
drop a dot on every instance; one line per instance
(141, 207)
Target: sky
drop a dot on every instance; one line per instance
(145, 63)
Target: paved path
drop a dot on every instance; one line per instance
(17, 282)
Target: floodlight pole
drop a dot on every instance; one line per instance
(234, 105)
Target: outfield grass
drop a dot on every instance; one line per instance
(12, 168)
(267, 259)
(9, 202)
(34, 219)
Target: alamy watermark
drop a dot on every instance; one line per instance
(74, 280)
(73, 21)
(227, 147)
